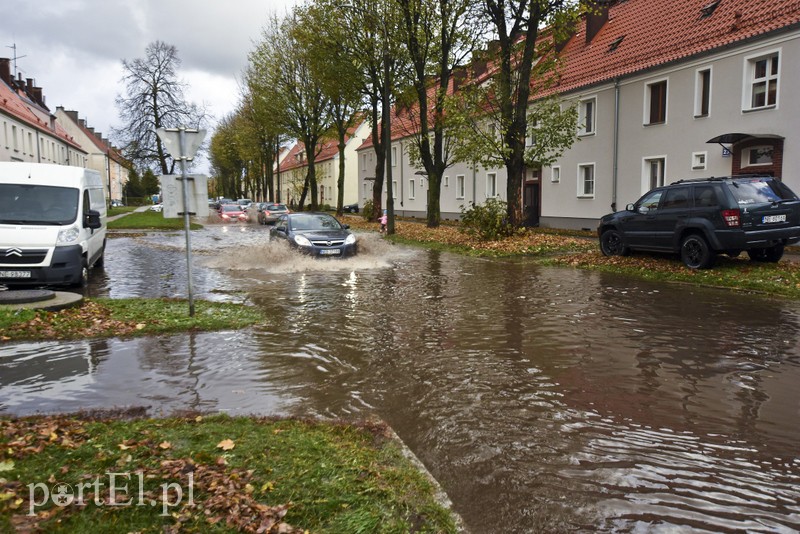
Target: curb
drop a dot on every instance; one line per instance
(439, 494)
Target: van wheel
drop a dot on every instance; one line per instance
(695, 252)
(768, 255)
(611, 244)
(83, 281)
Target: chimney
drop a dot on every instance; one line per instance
(37, 95)
(5, 70)
(72, 115)
(596, 17)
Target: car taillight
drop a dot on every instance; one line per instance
(731, 218)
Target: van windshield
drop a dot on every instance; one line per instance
(38, 204)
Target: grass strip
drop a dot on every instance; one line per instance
(580, 250)
(209, 474)
(104, 317)
(149, 220)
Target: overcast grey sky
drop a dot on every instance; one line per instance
(74, 49)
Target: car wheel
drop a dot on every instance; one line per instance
(611, 244)
(768, 255)
(695, 252)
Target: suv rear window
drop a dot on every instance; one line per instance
(759, 191)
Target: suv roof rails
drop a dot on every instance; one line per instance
(720, 178)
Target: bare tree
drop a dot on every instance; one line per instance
(154, 99)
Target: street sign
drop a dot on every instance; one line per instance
(172, 142)
(172, 196)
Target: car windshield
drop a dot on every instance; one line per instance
(231, 207)
(276, 207)
(314, 222)
(37, 204)
(760, 191)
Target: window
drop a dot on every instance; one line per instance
(650, 202)
(757, 155)
(555, 175)
(704, 196)
(14, 137)
(460, 186)
(586, 117)
(491, 185)
(699, 161)
(676, 198)
(702, 96)
(412, 184)
(586, 180)
(654, 172)
(447, 181)
(656, 101)
(394, 156)
(762, 75)
(530, 138)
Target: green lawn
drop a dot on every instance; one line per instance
(149, 220)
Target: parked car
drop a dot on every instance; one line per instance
(270, 213)
(117, 204)
(317, 234)
(232, 213)
(350, 208)
(245, 203)
(157, 207)
(699, 219)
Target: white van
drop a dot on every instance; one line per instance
(52, 224)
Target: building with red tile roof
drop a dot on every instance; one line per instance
(30, 131)
(101, 155)
(294, 168)
(665, 91)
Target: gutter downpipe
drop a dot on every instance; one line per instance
(400, 160)
(616, 147)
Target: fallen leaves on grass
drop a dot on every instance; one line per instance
(93, 318)
(221, 494)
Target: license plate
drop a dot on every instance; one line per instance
(15, 274)
(330, 252)
(773, 218)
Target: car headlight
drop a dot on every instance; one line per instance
(302, 241)
(350, 239)
(68, 235)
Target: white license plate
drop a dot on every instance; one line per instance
(330, 252)
(773, 218)
(15, 274)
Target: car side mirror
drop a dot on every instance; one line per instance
(346, 226)
(630, 207)
(92, 220)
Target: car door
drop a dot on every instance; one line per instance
(672, 213)
(638, 225)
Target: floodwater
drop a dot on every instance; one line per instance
(543, 399)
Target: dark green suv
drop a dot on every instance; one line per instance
(699, 219)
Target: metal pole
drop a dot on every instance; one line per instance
(185, 188)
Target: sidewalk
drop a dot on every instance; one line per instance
(115, 217)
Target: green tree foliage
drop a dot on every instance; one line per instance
(496, 110)
(488, 221)
(438, 35)
(154, 99)
(150, 183)
(133, 187)
(326, 41)
(280, 65)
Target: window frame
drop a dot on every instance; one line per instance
(750, 80)
(747, 152)
(702, 91)
(583, 131)
(649, 99)
(461, 186)
(695, 165)
(491, 178)
(412, 189)
(555, 174)
(647, 176)
(582, 179)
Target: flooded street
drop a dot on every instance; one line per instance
(543, 399)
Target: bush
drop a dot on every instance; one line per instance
(488, 221)
(366, 211)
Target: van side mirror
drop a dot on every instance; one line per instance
(92, 220)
